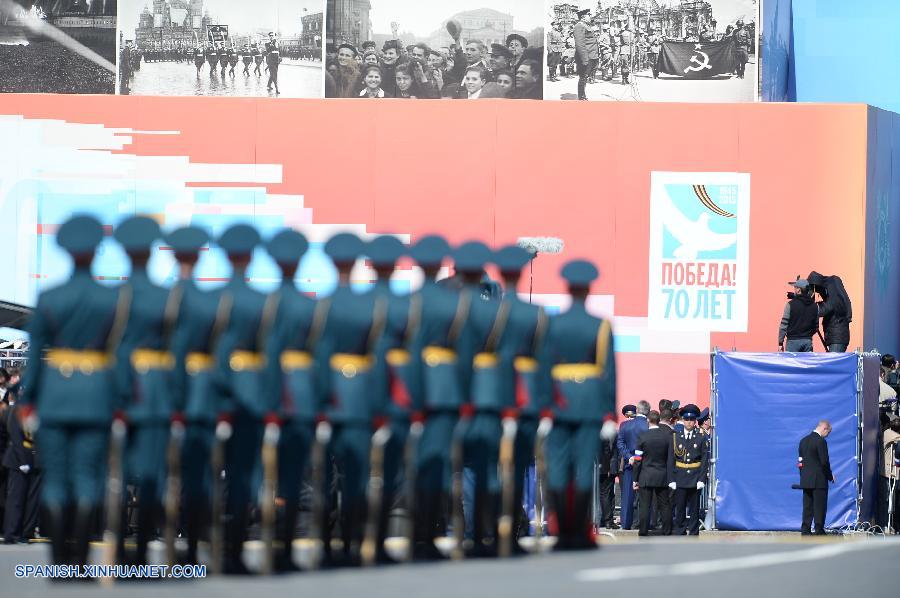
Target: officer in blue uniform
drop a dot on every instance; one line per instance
(481, 380)
(240, 365)
(584, 396)
(198, 325)
(79, 325)
(689, 475)
(444, 313)
(290, 380)
(401, 381)
(144, 372)
(346, 359)
(527, 383)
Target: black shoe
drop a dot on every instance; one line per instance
(427, 551)
(480, 550)
(611, 525)
(235, 566)
(10, 540)
(285, 564)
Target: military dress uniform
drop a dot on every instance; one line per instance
(199, 58)
(273, 60)
(482, 383)
(144, 371)
(691, 465)
(78, 325)
(401, 380)
(584, 395)
(526, 383)
(290, 384)
(240, 362)
(626, 49)
(435, 354)
(346, 359)
(198, 325)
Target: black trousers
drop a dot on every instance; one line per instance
(22, 502)
(663, 505)
(585, 72)
(881, 508)
(687, 501)
(607, 499)
(815, 505)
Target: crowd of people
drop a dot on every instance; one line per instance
(464, 70)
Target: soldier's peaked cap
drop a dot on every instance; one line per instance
(137, 233)
(239, 239)
(430, 251)
(343, 248)
(704, 415)
(580, 273)
(287, 246)
(80, 235)
(690, 411)
(385, 250)
(187, 240)
(512, 258)
(471, 256)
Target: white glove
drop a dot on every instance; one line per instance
(700, 485)
(25, 468)
(672, 485)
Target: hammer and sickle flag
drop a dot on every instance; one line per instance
(694, 60)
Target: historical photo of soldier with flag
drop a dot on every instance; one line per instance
(467, 49)
(57, 46)
(653, 50)
(244, 48)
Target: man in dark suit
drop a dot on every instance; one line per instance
(815, 473)
(23, 494)
(607, 470)
(653, 465)
(627, 440)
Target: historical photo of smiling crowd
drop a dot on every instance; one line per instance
(248, 48)
(653, 50)
(408, 49)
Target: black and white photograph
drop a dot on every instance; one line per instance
(408, 49)
(652, 50)
(58, 46)
(245, 48)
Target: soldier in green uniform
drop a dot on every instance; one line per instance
(584, 392)
(197, 328)
(481, 380)
(240, 360)
(401, 380)
(444, 313)
(346, 360)
(78, 324)
(626, 51)
(290, 383)
(144, 375)
(523, 354)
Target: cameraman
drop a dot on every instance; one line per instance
(799, 321)
(835, 310)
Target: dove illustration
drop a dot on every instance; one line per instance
(693, 236)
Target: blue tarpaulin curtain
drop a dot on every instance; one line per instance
(767, 402)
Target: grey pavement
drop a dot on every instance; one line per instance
(717, 564)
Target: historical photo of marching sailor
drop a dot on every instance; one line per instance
(245, 48)
(653, 50)
(58, 46)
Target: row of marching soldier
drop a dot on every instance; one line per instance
(213, 402)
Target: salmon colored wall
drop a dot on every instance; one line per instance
(579, 171)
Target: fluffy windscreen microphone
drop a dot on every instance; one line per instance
(540, 244)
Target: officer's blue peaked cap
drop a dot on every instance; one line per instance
(287, 247)
(239, 239)
(137, 233)
(344, 248)
(187, 240)
(690, 411)
(385, 251)
(430, 251)
(580, 273)
(512, 258)
(471, 256)
(80, 235)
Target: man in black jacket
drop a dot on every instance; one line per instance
(653, 465)
(23, 492)
(799, 321)
(607, 470)
(835, 309)
(815, 473)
